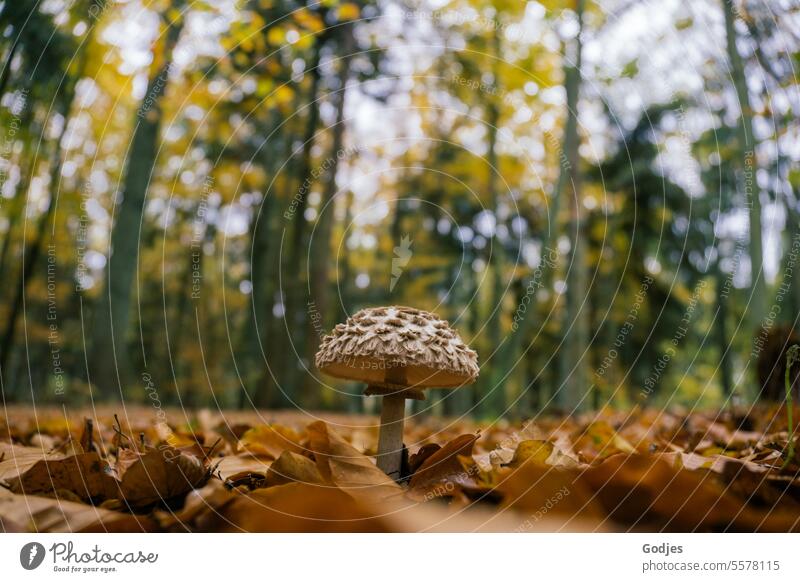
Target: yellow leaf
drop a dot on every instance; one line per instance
(535, 451)
(600, 440)
(276, 36)
(291, 467)
(270, 441)
(348, 11)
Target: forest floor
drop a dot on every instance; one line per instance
(145, 469)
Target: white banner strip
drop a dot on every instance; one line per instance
(399, 557)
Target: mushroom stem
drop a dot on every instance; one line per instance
(390, 438)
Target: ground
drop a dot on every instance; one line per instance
(150, 469)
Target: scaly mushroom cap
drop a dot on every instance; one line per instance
(397, 347)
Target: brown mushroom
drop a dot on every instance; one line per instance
(398, 352)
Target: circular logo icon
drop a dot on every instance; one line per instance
(31, 555)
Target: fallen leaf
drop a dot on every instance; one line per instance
(532, 451)
(645, 492)
(270, 441)
(29, 513)
(415, 461)
(160, 474)
(442, 472)
(291, 467)
(294, 507)
(599, 440)
(86, 475)
(226, 467)
(341, 464)
(15, 459)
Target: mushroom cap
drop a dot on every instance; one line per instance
(398, 347)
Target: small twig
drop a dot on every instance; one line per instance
(118, 429)
(211, 450)
(86, 439)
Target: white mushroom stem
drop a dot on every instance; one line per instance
(390, 439)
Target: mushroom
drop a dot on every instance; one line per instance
(398, 352)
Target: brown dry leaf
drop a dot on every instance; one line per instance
(208, 498)
(752, 482)
(309, 508)
(270, 441)
(726, 438)
(29, 513)
(442, 472)
(715, 463)
(87, 476)
(415, 461)
(160, 474)
(599, 440)
(294, 507)
(291, 467)
(232, 433)
(15, 459)
(647, 493)
(540, 493)
(341, 464)
(227, 467)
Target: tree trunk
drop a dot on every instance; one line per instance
(290, 338)
(264, 342)
(5, 74)
(723, 342)
(16, 205)
(263, 272)
(321, 243)
(190, 296)
(493, 387)
(344, 261)
(748, 170)
(31, 254)
(574, 357)
(793, 250)
(110, 360)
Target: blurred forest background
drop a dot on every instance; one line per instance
(602, 197)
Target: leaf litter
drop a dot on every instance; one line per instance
(648, 470)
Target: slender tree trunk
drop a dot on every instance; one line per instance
(262, 273)
(721, 332)
(189, 297)
(794, 245)
(748, 170)
(397, 283)
(110, 359)
(30, 258)
(16, 205)
(321, 243)
(5, 74)
(33, 252)
(493, 387)
(291, 339)
(265, 342)
(344, 261)
(304, 167)
(63, 104)
(574, 357)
